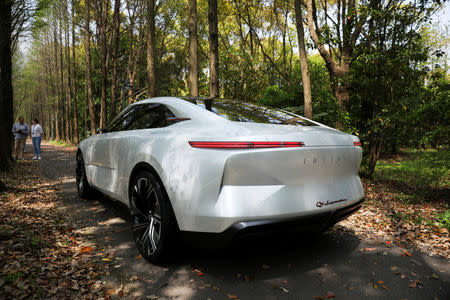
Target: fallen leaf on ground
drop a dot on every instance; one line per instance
(330, 295)
(415, 283)
(86, 249)
(406, 253)
(232, 296)
(414, 274)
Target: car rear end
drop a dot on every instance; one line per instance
(260, 177)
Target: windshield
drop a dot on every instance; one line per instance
(249, 112)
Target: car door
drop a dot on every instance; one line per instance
(103, 175)
(135, 130)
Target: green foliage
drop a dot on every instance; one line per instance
(325, 106)
(275, 97)
(388, 82)
(431, 117)
(430, 168)
(243, 77)
(444, 219)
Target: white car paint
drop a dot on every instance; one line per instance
(211, 189)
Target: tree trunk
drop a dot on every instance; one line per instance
(74, 86)
(69, 124)
(374, 153)
(55, 49)
(193, 48)
(6, 89)
(306, 80)
(85, 111)
(101, 25)
(338, 72)
(61, 74)
(116, 31)
(87, 49)
(151, 65)
(340, 92)
(213, 49)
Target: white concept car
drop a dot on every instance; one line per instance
(220, 169)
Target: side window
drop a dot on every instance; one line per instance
(150, 116)
(124, 119)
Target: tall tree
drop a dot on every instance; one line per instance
(193, 48)
(6, 89)
(65, 135)
(56, 82)
(213, 49)
(87, 50)
(115, 56)
(151, 64)
(69, 123)
(306, 80)
(101, 17)
(74, 85)
(136, 47)
(347, 26)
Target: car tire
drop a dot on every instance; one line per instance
(84, 189)
(152, 219)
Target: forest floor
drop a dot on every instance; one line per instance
(55, 245)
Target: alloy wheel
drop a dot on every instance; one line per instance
(146, 216)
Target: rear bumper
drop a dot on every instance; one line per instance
(311, 223)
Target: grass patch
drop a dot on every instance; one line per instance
(430, 168)
(417, 177)
(60, 143)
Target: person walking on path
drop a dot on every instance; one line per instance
(20, 130)
(36, 137)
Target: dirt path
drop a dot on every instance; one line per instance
(339, 263)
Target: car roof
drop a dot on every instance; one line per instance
(189, 107)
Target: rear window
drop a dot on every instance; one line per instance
(249, 112)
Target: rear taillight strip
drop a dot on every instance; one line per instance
(357, 144)
(245, 145)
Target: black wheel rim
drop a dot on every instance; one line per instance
(146, 216)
